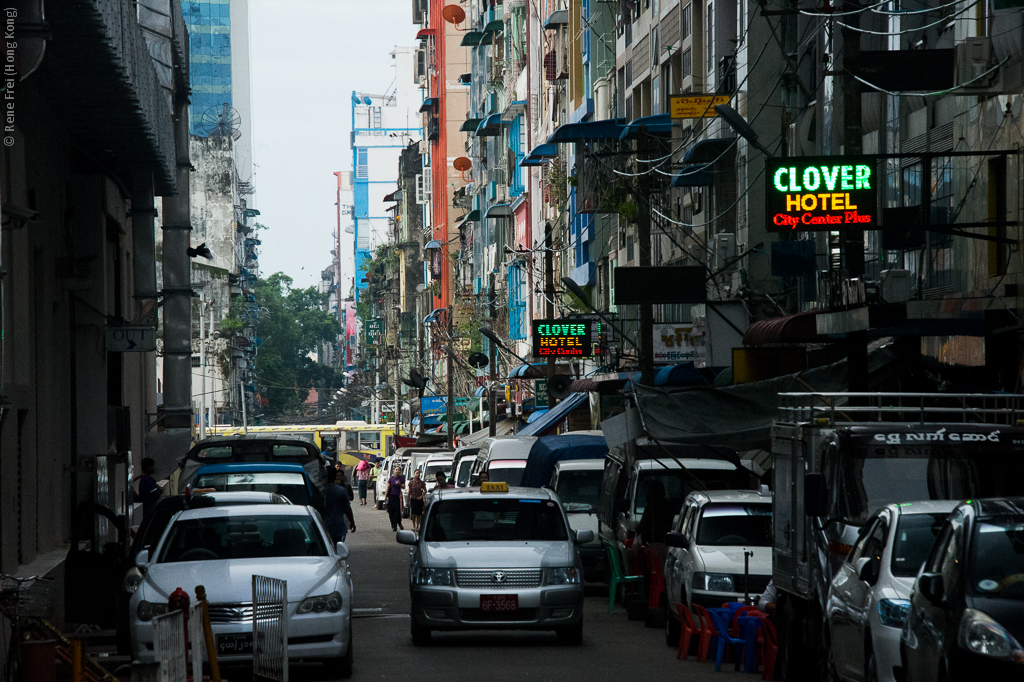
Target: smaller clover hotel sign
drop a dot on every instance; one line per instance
(821, 193)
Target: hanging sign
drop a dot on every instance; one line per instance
(695, 106)
(821, 193)
(558, 338)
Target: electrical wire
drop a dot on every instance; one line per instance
(937, 93)
(903, 32)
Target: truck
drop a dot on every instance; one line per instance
(839, 457)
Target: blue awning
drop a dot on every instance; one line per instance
(498, 211)
(537, 370)
(536, 415)
(694, 175)
(660, 124)
(472, 216)
(433, 315)
(429, 103)
(560, 17)
(481, 391)
(489, 127)
(540, 154)
(708, 151)
(554, 417)
(608, 129)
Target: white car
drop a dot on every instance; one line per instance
(868, 599)
(430, 468)
(719, 551)
(381, 487)
(578, 484)
(221, 548)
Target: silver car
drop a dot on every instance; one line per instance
(868, 600)
(496, 560)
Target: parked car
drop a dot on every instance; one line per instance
(496, 560)
(868, 599)
(577, 482)
(966, 615)
(506, 459)
(380, 492)
(465, 463)
(720, 550)
(221, 547)
(415, 457)
(432, 466)
(287, 479)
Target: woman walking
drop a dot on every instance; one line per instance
(395, 486)
(363, 476)
(417, 491)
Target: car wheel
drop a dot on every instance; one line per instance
(420, 634)
(673, 630)
(571, 635)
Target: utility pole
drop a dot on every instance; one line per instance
(645, 188)
(241, 390)
(549, 303)
(202, 367)
(211, 406)
(492, 366)
(451, 386)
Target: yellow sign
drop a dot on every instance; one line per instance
(496, 487)
(695, 106)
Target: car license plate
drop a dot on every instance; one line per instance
(234, 645)
(499, 602)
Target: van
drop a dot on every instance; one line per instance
(506, 458)
(577, 482)
(414, 457)
(467, 461)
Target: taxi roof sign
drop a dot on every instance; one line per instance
(494, 487)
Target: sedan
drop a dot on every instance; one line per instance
(222, 548)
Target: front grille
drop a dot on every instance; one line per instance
(518, 616)
(231, 613)
(497, 578)
(757, 584)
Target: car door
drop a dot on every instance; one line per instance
(94, 567)
(673, 567)
(686, 554)
(858, 595)
(840, 606)
(924, 636)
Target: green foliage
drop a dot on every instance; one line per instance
(233, 323)
(292, 324)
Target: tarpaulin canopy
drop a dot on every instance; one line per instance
(554, 416)
(549, 450)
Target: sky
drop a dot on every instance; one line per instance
(307, 56)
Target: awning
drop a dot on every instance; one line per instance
(694, 175)
(471, 39)
(657, 125)
(708, 151)
(425, 33)
(603, 387)
(560, 17)
(486, 39)
(496, 25)
(472, 216)
(481, 391)
(540, 154)
(489, 127)
(534, 371)
(466, 78)
(428, 104)
(537, 415)
(798, 328)
(608, 129)
(433, 316)
(498, 211)
(391, 197)
(553, 417)
(513, 109)
(470, 125)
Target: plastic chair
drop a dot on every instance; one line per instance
(687, 629)
(724, 638)
(616, 574)
(707, 632)
(748, 627)
(655, 578)
(770, 648)
(741, 611)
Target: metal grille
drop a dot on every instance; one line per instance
(498, 578)
(196, 638)
(169, 646)
(230, 613)
(270, 628)
(902, 407)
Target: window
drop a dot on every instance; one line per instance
(495, 520)
(580, 490)
(516, 305)
(735, 524)
(686, 22)
(243, 537)
(997, 560)
(375, 117)
(196, 361)
(369, 440)
(687, 67)
(709, 43)
(915, 536)
(629, 108)
(362, 163)
(291, 485)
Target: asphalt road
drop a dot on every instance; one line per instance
(614, 648)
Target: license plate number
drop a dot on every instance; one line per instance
(499, 602)
(234, 645)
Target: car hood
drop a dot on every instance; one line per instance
(585, 521)
(230, 581)
(729, 559)
(898, 587)
(1007, 612)
(522, 554)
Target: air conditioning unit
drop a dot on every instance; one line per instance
(424, 147)
(896, 286)
(974, 66)
(725, 251)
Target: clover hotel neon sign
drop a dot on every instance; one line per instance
(806, 193)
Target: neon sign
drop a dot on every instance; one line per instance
(821, 193)
(558, 338)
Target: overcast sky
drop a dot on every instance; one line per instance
(307, 58)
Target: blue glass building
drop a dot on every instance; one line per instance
(209, 29)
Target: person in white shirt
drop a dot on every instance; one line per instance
(766, 602)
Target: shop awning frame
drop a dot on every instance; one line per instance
(607, 129)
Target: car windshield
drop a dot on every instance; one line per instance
(726, 524)
(877, 476)
(432, 469)
(465, 472)
(915, 536)
(290, 484)
(243, 537)
(494, 519)
(678, 486)
(997, 558)
(579, 490)
(511, 475)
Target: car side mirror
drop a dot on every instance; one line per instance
(815, 495)
(865, 570)
(931, 587)
(142, 558)
(679, 540)
(621, 505)
(406, 537)
(584, 536)
(341, 549)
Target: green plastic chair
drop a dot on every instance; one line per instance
(617, 574)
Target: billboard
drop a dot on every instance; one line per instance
(563, 338)
(821, 193)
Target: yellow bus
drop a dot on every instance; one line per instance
(352, 441)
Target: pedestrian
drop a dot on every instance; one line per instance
(337, 505)
(442, 481)
(656, 520)
(484, 477)
(396, 484)
(149, 492)
(343, 482)
(363, 476)
(417, 493)
(766, 602)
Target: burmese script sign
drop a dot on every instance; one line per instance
(821, 193)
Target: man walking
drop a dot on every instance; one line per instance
(337, 506)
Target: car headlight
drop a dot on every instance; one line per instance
(147, 610)
(432, 576)
(132, 579)
(980, 634)
(562, 576)
(713, 582)
(893, 612)
(330, 603)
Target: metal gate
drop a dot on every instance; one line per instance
(270, 628)
(196, 639)
(169, 646)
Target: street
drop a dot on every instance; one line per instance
(613, 647)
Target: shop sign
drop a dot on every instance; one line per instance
(374, 330)
(540, 392)
(821, 193)
(674, 343)
(695, 106)
(562, 338)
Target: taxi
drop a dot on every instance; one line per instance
(496, 558)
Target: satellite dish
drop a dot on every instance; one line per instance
(462, 163)
(558, 386)
(478, 360)
(350, 229)
(453, 14)
(221, 120)
(367, 100)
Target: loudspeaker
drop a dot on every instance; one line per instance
(478, 360)
(558, 386)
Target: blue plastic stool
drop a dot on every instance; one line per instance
(722, 625)
(748, 627)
